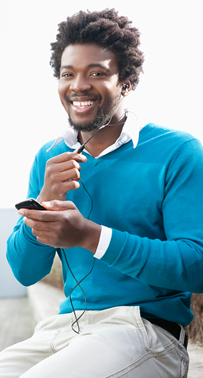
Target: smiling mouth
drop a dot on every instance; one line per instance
(82, 104)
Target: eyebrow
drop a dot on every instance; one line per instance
(93, 65)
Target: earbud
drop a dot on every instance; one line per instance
(125, 87)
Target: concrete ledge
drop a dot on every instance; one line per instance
(196, 360)
(44, 301)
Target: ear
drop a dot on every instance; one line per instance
(126, 88)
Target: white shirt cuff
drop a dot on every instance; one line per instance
(104, 240)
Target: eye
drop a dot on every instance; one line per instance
(66, 74)
(96, 74)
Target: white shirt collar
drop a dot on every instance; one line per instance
(129, 132)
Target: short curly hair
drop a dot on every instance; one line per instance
(106, 29)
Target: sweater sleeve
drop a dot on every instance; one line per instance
(30, 260)
(177, 262)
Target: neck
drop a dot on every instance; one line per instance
(104, 137)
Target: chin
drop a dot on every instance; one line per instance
(87, 126)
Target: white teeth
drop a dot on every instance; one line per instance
(83, 103)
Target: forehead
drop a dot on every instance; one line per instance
(84, 55)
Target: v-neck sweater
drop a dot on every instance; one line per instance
(151, 198)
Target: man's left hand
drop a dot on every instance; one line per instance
(62, 226)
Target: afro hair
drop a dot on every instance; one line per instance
(106, 29)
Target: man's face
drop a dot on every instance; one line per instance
(88, 85)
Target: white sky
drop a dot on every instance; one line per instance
(169, 92)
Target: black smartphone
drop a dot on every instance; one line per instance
(31, 204)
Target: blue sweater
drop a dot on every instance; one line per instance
(151, 197)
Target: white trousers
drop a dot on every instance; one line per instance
(115, 342)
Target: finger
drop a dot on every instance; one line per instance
(68, 156)
(65, 165)
(38, 215)
(45, 234)
(63, 187)
(38, 226)
(47, 237)
(59, 205)
(67, 174)
(47, 241)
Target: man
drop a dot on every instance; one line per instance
(129, 238)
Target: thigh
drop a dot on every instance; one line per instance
(19, 358)
(101, 352)
(114, 347)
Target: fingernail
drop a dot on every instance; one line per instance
(48, 204)
(21, 212)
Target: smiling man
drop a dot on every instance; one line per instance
(129, 238)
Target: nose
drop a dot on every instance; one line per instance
(80, 84)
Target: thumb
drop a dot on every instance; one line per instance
(57, 205)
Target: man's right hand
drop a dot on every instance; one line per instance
(61, 175)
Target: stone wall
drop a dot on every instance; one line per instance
(196, 327)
